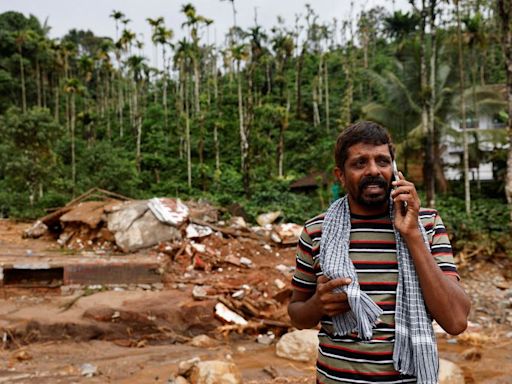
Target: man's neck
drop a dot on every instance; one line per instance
(363, 210)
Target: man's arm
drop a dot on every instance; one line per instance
(444, 297)
(307, 308)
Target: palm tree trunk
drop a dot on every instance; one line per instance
(505, 14)
(467, 195)
(187, 139)
(327, 106)
(280, 147)
(23, 88)
(298, 85)
(138, 124)
(72, 131)
(428, 169)
(38, 84)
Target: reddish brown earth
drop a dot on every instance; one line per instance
(139, 334)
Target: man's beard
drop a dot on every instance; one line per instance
(375, 202)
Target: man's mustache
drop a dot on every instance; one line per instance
(373, 180)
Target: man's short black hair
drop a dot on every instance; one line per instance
(366, 132)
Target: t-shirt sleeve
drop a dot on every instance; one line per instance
(440, 245)
(304, 278)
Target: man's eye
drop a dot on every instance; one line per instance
(360, 163)
(384, 162)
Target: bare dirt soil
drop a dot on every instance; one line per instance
(136, 333)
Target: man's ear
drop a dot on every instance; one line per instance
(340, 176)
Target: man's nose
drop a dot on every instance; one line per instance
(373, 169)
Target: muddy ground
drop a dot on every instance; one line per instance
(138, 333)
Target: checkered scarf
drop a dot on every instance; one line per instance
(415, 348)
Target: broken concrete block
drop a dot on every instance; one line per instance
(450, 373)
(228, 315)
(145, 232)
(169, 211)
(203, 341)
(35, 231)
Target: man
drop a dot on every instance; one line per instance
(374, 271)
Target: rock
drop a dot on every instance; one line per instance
(185, 366)
(245, 261)
(237, 222)
(450, 373)
(215, 372)
(204, 341)
(199, 292)
(88, 370)
(267, 218)
(178, 380)
(125, 214)
(145, 232)
(267, 338)
(298, 345)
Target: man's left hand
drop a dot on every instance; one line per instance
(406, 217)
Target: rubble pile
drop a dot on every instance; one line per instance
(241, 268)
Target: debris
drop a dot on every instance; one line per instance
(233, 260)
(237, 222)
(88, 370)
(37, 230)
(177, 380)
(267, 338)
(279, 284)
(169, 211)
(275, 237)
(238, 294)
(228, 315)
(267, 218)
(245, 261)
(199, 292)
(289, 233)
(195, 231)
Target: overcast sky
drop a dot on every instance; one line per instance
(64, 15)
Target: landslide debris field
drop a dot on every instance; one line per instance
(120, 291)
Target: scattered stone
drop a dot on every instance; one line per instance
(204, 341)
(22, 355)
(279, 284)
(299, 345)
(37, 230)
(238, 294)
(450, 373)
(199, 292)
(215, 372)
(452, 341)
(245, 261)
(185, 366)
(266, 339)
(88, 370)
(233, 260)
(267, 218)
(237, 222)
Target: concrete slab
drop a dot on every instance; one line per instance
(20, 267)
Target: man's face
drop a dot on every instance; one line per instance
(367, 175)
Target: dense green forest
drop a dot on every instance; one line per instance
(238, 122)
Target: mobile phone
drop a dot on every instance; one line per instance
(397, 177)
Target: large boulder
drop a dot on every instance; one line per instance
(298, 345)
(215, 372)
(140, 232)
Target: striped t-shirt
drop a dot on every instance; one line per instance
(346, 359)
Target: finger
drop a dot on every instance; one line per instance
(330, 285)
(340, 297)
(322, 279)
